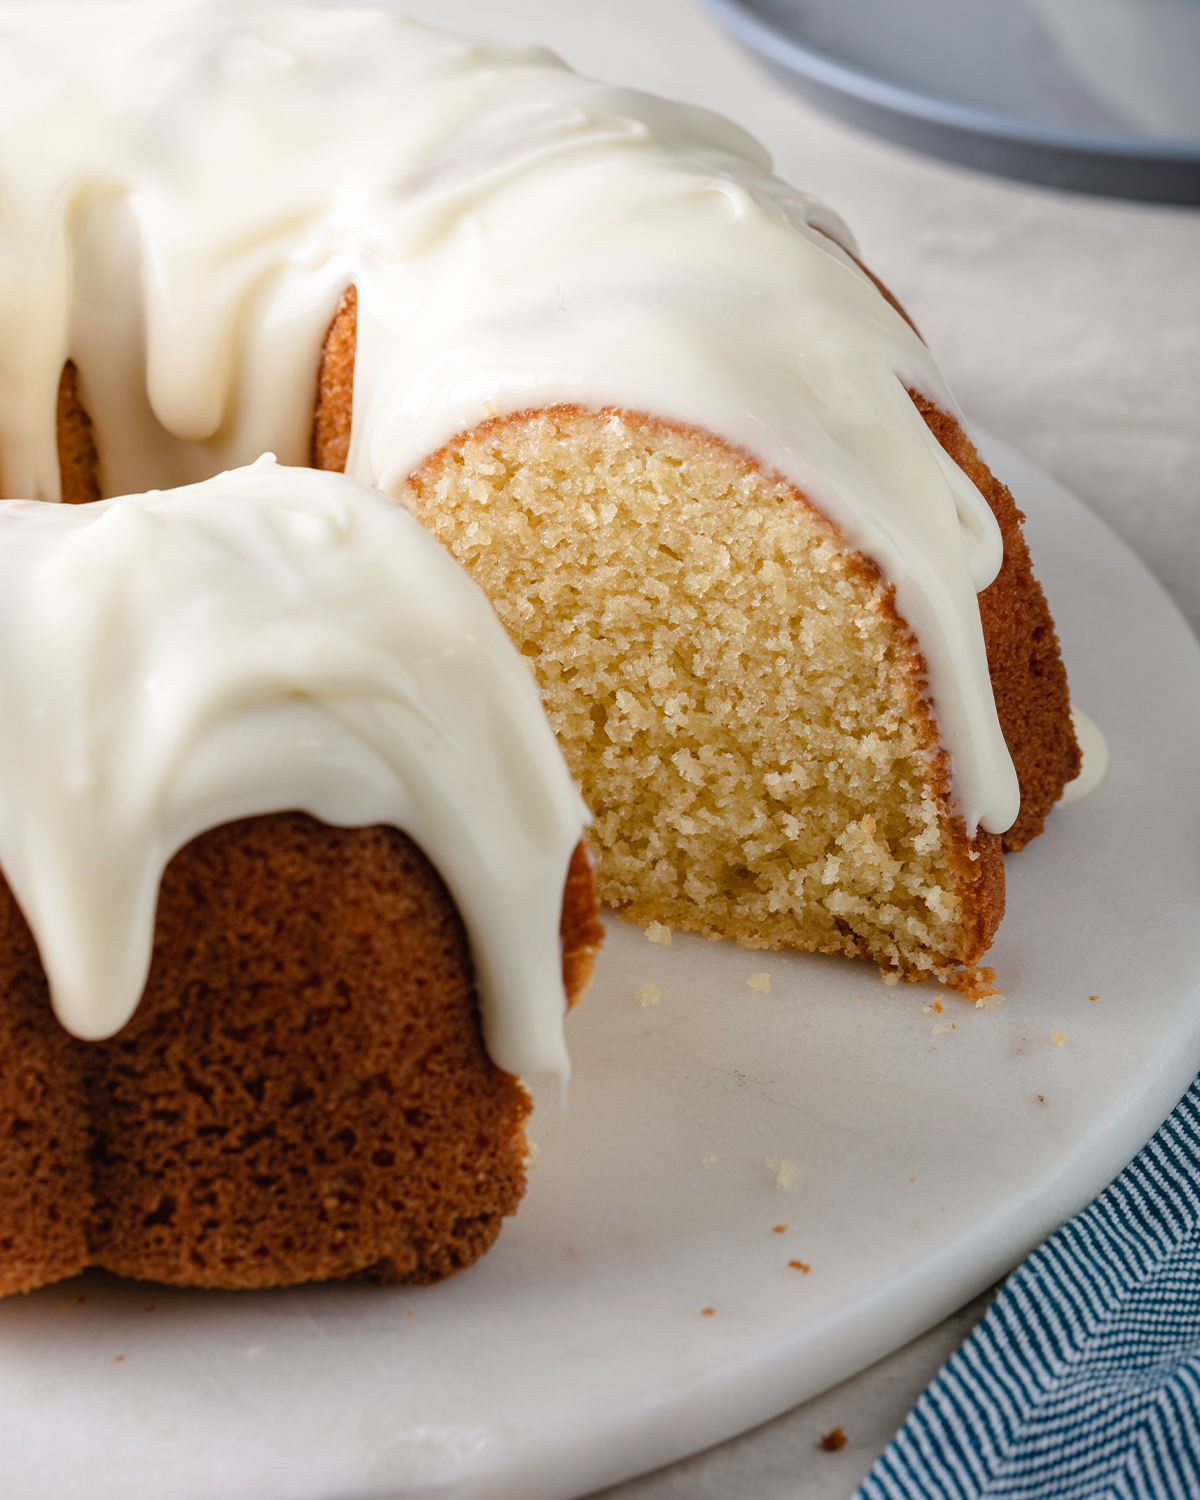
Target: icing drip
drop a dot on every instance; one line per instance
(270, 639)
(1094, 748)
(188, 188)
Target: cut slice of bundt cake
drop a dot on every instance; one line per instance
(746, 712)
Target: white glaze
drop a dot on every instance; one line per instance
(1094, 749)
(188, 188)
(270, 639)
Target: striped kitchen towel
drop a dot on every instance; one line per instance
(1083, 1379)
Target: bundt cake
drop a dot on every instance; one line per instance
(782, 616)
(292, 1053)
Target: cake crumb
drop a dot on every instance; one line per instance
(938, 1030)
(649, 994)
(119, 1359)
(780, 1229)
(532, 1152)
(659, 933)
(707, 1312)
(834, 1440)
(1058, 1037)
(798, 1265)
(760, 982)
(1093, 997)
(934, 1005)
(708, 1161)
(787, 1171)
(977, 984)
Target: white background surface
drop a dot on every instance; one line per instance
(1069, 326)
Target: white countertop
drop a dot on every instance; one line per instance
(1069, 326)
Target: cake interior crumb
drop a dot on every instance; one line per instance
(787, 1171)
(727, 681)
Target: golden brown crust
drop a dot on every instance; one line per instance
(78, 462)
(1029, 681)
(335, 387)
(581, 928)
(303, 1092)
(985, 910)
(45, 1179)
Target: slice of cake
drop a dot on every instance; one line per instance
(747, 713)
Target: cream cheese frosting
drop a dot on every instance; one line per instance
(267, 640)
(189, 187)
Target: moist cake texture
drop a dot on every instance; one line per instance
(733, 690)
(735, 693)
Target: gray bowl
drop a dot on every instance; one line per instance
(1098, 96)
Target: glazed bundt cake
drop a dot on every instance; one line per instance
(294, 1056)
(781, 615)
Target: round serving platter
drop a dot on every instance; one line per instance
(753, 1193)
(1098, 96)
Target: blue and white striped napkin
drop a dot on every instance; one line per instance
(1083, 1379)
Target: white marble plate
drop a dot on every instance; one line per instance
(930, 1151)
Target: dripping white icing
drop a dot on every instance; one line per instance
(270, 639)
(1094, 749)
(189, 187)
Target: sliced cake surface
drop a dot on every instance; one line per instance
(744, 709)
